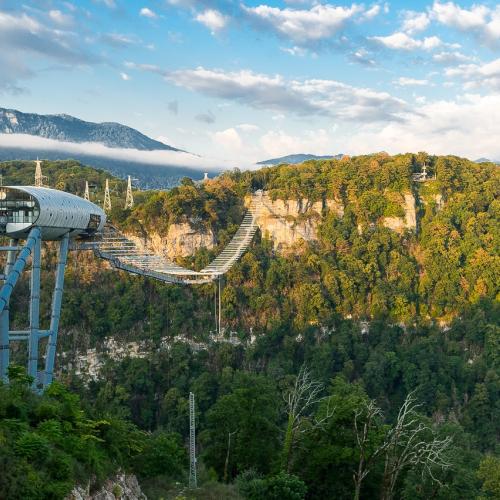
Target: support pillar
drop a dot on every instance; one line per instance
(34, 311)
(220, 279)
(193, 482)
(4, 319)
(56, 311)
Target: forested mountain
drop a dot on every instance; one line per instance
(66, 128)
(70, 129)
(362, 362)
(146, 176)
(297, 158)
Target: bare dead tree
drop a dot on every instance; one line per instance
(365, 419)
(300, 402)
(407, 445)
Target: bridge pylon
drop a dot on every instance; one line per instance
(107, 198)
(16, 262)
(129, 199)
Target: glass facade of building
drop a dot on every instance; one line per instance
(17, 207)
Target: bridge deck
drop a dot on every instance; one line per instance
(126, 254)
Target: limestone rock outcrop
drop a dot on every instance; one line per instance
(181, 240)
(121, 487)
(400, 224)
(286, 222)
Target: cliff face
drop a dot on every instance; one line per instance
(399, 224)
(123, 486)
(181, 240)
(286, 222)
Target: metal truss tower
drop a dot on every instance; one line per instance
(39, 177)
(107, 198)
(17, 258)
(86, 196)
(193, 482)
(129, 200)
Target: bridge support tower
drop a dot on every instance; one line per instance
(193, 482)
(16, 262)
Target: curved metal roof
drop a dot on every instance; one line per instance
(55, 197)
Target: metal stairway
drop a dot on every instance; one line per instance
(125, 254)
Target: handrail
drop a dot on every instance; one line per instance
(127, 255)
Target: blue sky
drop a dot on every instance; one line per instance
(241, 81)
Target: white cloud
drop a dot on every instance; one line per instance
(59, 18)
(295, 51)
(466, 126)
(320, 22)
(301, 97)
(120, 39)
(146, 12)
(480, 20)
(478, 75)
(124, 76)
(111, 4)
(247, 127)
(363, 57)
(158, 157)
(374, 11)
(276, 143)
(22, 36)
(402, 41)
(213, 20)
(228, 139)
(451, 14)
(414, 22)
(448, 58)
(403, 81)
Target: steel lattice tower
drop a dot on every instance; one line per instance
(38, 173)
(86, 196)
(129, 200)
(107, 198)
(193, 483)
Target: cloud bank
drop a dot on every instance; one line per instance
(165, 158)
(300, 97)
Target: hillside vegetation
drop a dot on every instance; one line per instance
(363, 317)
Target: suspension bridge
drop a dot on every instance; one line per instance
(32, 214)
(123, 253)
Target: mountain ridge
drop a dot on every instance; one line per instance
(298, 158)
(68, 128)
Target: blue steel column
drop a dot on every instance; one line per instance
(17, 268)
(34, 311)
(5, 320)
(56, 311)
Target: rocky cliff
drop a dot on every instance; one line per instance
(400, 224)
(121, 487)
(286, 222)
(181, 240)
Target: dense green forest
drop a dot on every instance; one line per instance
(368, 361)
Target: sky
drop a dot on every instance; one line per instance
(238, 81)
